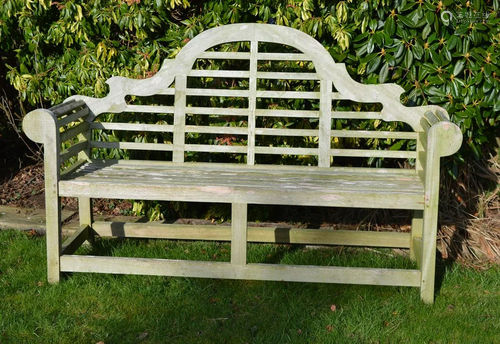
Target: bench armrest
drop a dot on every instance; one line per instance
(50, 128)
(444, 138)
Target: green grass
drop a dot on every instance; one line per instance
(89, 308)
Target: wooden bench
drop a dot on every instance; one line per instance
(280, 112)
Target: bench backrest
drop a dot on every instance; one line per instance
(281, 90)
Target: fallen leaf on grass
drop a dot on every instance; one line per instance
(142, 336)
(330, 328)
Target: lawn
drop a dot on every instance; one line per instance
(92, 308)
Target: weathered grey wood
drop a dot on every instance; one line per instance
(443, 138)
(367, 153)
(416, 244)
(287, 76)
(252, 103)
(133, 127)
(223, 55)
(215, 148)
(221, 92)
(215, 73)
(86, 217)
(414, 189)
(73, 132)
(276, 235)
(286, 150)
(151, 108)
(325, 123)
(216, 130)
(66, 107)
(375, 134)
(287, 113)
(416, 232)
(286, 132)
(238, 234)
(74, 242)
(356, 115)
(217, 111)
(179, 118)
(73, 151)
(266, 272)
(288, 94)
(283, 57)
(132, 145)
(74, 117)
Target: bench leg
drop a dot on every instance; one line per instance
(428, 261)
(417, 224)
(85, 214)
(53, 237)
(239, 234)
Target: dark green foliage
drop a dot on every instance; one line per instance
(58, 49)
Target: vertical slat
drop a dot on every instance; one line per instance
(239, 234)
(325, 119)
(85, 215)
(416, 232)
(421, 155)
(179, 118)
(252, 101)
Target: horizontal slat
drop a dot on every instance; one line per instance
(73, 132)
(73, 167)
(287, 113)
(287, 76)
(216, 130)
(288, 94)
(217, 111)
(209, 92)
(221, 55)
(356, 115)
(167, 91)
(64, 108)
(286, 132)
(74, 117)
(132, 146)
(149, 108)
(208, 73)
(366, 153)
(133, 127)
(375, 134)
(215, 148)
(283, 57)
(299, 169)
(72, 151)
(255, 234)
(286, 150)
(266, 272)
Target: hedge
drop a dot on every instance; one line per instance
(441, 52)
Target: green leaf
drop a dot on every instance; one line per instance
(459, 67)
(426, 31)
(408, 59)
(430, 17)
(373, 65)
(384, 72)
(390, 26)
(436, 58)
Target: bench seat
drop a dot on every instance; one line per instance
(229, 183)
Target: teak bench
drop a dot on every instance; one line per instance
(73, 132)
